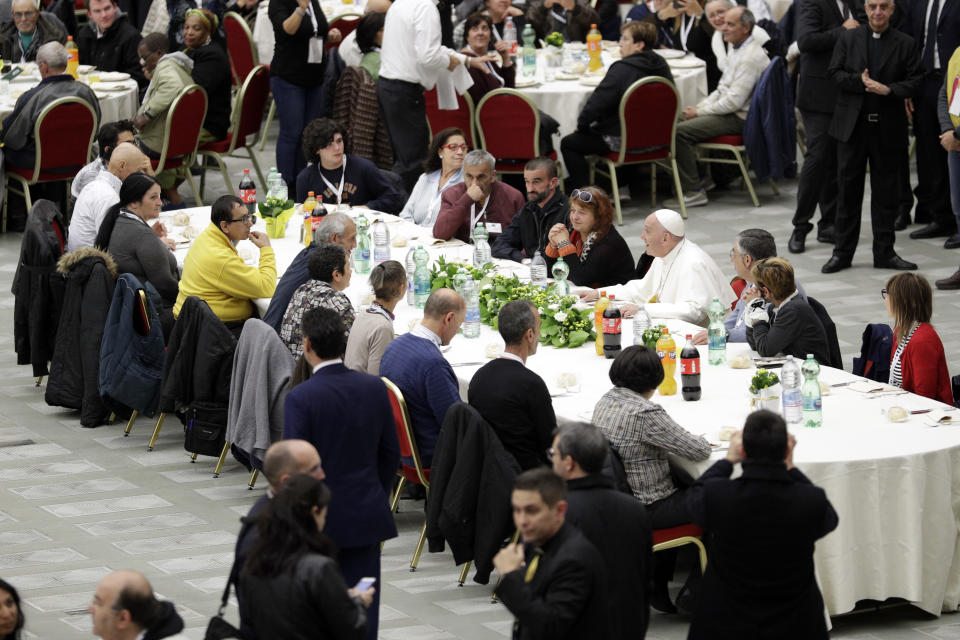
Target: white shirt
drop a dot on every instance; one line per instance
(411, 49)
(350, 51)
(327, 363)
(85, 176)
(422, 332)
(90, 209)
(926, 28)
(513, 356)
(425, 200)
(685, 281)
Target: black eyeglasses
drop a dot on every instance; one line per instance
(246, 219)
(583, 196)
(883, 294)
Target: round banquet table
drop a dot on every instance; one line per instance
(118, 100)
(263, 29)
(896, 487)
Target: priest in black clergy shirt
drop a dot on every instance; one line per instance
(513, 399)
(340, 178)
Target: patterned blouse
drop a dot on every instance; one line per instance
(313, 294)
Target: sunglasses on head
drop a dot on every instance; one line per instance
(583, 196)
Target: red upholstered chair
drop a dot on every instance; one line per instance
(439, 119)
(408, 449)
(240, 46)
(244, 124)
(679, 536)
(181, 134)
(62, 136)
(508, 125)
(346, 24)
(648, 123)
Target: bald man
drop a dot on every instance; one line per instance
(125, 608)
(682, 279)
(103, 193)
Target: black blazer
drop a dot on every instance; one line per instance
(760, 530)
(819, 27)
(948, 28)
(898, 69)
(795, 330)
(567, 597)
(618, 526)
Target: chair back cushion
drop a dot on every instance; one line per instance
(253, 99)
(346, 24)
(243, 55)
(439, 119)
(184, 121)
(400, 417)
(649, 111)
(508, 125)
(64, 134)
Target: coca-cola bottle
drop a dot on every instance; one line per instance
(611, 330)
(248, 192)
(690, 370)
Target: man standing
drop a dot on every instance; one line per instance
(761, 529)
(511, 398)
(935, 27)
(546, 206)
(820, 23)
(479, 198)
(414, 363)
(682, 279)
(616, 524)
(554, 582)
(875, 68)
(358, 441)
(109, 42)
(124, 607)
(21, 39)
(723, 112)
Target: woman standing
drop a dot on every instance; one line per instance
(442, 169)
(477, 34)
(290, 573)
(917, 361)
(596, 253)
(372, 330)
(138, 249)
(211, 70)
(296, 75)
(11, 615)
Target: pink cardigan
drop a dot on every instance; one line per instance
(923, 365)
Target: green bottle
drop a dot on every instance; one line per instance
(361, 256)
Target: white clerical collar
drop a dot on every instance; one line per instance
(327, 363)
(512, 356)
(422, 332)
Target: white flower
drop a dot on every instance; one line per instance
(554, 306)
(540, 310)
(560, 316)
(489, 285)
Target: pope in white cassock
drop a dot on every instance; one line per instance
(682, 279)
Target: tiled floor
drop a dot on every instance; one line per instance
(77, 503)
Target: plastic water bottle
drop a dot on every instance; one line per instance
(641, 322)
(812, 404)
(529, 70)
(792, 397)
(381, 242)
(459, 279)
(481, 246)
(560, 271)
(361, 257)
(471, 322)
(421, 277)
(690, 370)
(538, 271)
(510, 35)
(717, 333)
(410, 266)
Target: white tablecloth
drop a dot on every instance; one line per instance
(896, 487)
(114, 105)
(263, 30)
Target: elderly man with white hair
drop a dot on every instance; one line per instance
(682, 279)
(480, 198)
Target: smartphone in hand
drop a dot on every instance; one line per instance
(364, 584)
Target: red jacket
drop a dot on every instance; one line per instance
(453, 221)
(923, 366)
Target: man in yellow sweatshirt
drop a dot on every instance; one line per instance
(214, 271)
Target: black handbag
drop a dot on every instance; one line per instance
(218, 628)
(204, 428)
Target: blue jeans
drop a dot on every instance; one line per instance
(296, 107)
(953, 164)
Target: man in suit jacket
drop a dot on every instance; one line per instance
(554, 582)
(357, 440)
(935, 27)
(820, 23)
(616, 523)
(760, 529)
(876, 69)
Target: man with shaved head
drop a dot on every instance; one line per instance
(124, 607)
(103, 193)
(682, 279)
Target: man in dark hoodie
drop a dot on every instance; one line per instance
(109, 41)
(598, 127)
(125, 608)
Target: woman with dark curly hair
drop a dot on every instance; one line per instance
(11, 615)
(442, 169)
(341, 178)
(291, 566)
(596, 253)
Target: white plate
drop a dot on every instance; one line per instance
(85, 68)
(671, 53)
(591, 81)
(564, 75)
(686, 63)
(519, 84)
(108, 86)
(113, 76)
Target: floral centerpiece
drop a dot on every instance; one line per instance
(275, 213)
(651, 335)
(765, 389)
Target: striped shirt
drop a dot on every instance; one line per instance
(313, 294)
(642, 433)
(896, 371)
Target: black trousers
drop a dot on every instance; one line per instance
(866, 144)
(363, 562)
(405, 116)
(818, 179)
(575, 149)
(933, 183)
(668, 512)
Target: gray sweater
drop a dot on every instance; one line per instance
(138, 250)
(369, 337)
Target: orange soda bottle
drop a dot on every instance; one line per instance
(667, 352)
(594, 48)
(602, 303)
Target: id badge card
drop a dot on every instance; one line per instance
(315, 50)
(494, 227)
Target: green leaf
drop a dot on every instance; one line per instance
(578, 338)
(551, 330)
